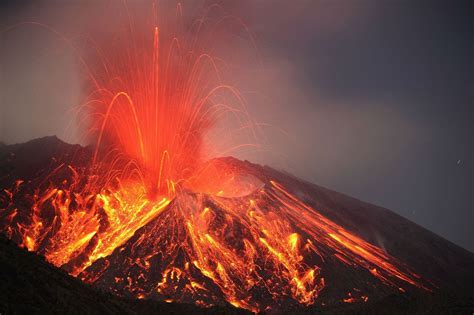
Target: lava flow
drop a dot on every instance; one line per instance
(253, 244)
(142, 215)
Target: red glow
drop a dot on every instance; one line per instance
(227, 234)
(153, 104)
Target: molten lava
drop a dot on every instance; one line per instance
(145, 217)
(259, 249)
(153, 102)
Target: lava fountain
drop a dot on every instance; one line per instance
(153, 103)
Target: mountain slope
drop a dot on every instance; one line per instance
(241, 233)
(31, 285)
(199, 247)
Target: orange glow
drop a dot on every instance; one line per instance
(152, 103)
(222, 234)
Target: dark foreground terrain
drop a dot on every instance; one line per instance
(30, 285)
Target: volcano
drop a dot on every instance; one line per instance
(241, 234)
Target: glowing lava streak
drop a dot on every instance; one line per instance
(82, 226)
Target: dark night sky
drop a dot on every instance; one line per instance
(369, 98)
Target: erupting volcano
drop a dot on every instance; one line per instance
(144, 213)
(248, 235)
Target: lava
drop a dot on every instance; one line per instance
(76, 227)
(153, 101)
(262, 250)
(144, 216)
